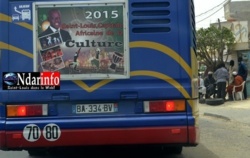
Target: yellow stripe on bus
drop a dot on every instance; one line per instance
(164, 49)
(15, 49)
(104, 82)
(6, 18)
(157, 75)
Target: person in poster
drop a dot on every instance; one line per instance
(74, 64)
(54, 17)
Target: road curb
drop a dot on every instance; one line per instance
(217, 116)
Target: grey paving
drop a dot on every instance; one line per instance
(238, 111)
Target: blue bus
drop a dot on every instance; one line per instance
(104, 72)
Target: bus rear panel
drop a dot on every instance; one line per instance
(135, 80)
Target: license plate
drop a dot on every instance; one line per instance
(95, 108)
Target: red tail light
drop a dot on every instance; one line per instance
(170, 106)
(27, 110)
(164, 106)
(21, 111)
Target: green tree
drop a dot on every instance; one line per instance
(212, 43)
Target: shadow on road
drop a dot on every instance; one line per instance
(128, 152)
(110, 152)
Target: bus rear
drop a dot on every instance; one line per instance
(113, 73)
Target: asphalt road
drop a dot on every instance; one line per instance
(220, 138)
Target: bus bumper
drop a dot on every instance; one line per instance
(108, 136)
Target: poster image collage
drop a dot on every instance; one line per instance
(51, 52)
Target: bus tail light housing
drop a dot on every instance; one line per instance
(27, 110)
(162, 106)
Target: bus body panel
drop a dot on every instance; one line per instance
(160, 69)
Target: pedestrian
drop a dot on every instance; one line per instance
(231, 69)
(210, 84)
(202, 88)
(242, 71)
(238, 80)
(221, 76)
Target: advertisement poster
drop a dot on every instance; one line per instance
(82, 41)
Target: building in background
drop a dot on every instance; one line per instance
(237, 14)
